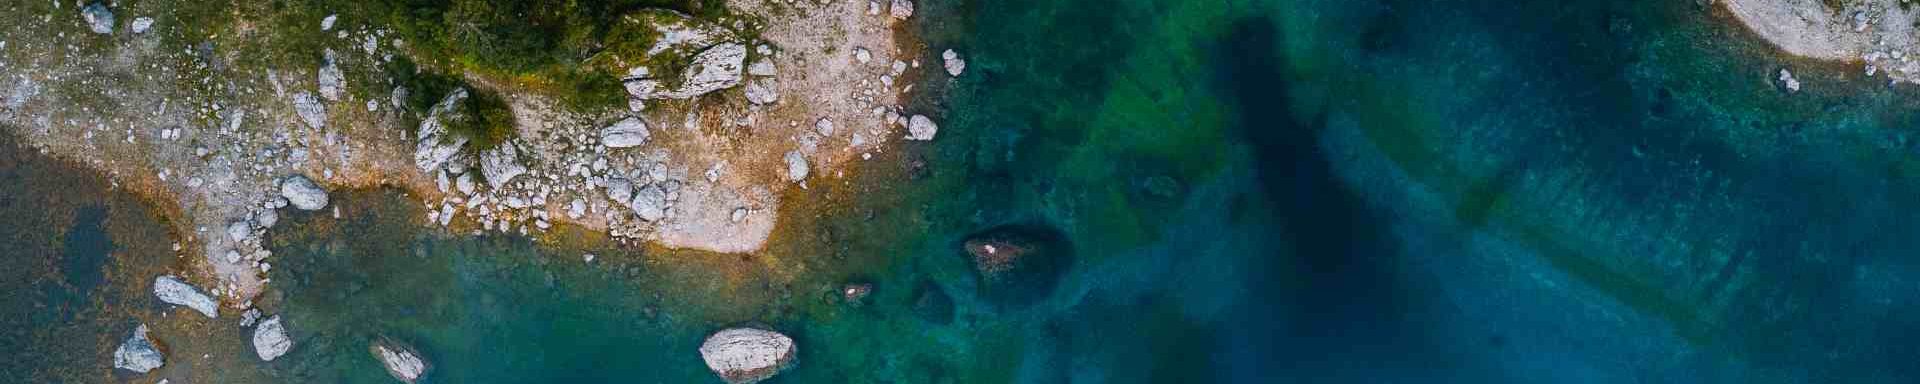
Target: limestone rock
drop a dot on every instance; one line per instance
(401, 361)
(310, 110)
(331, 81)
(921, 128)
(138, 353)
(954, 64)
(796, 166)
(302, 193)
(628, 132)
(1787, 80)
(716, 68)
(650, 203)
(501, 165)
(99, 19)
(435, 145)
(270, 340)
(171, 290)
(747, 355)
(141, 24)
(763, 91)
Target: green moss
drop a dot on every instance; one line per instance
(484, 118)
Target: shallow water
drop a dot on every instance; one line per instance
(1281, 191)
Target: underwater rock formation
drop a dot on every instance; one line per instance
(1018, 264)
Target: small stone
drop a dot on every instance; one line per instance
(901, 9)
(1787, 80)
(327, 23)
(862, 55)
(796, 166)
(628, 132)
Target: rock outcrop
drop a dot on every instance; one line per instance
(436, 146)
(626, 133)
(331, 80)
(716, 68)
(270, 339)
(402, 361)
(171, 290)
(501, 165)
(302, 193)
(310, 110)
(747, 355)
(138, 353)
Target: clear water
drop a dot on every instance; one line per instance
(1279, 191)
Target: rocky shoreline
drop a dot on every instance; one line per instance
(1880, 35)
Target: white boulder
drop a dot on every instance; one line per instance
(99, 19)
(716, 68)
(171, 290)
(331, 81)
(747, 355)
(901, 9)
(138, 353)
(302, 193)
(401, 361)
(310, 110)
(141, 24)
(270, 340)
(501, 165)
(796, 166)
(435, 145)
(954, 64)
(921, 128)
(628, 132)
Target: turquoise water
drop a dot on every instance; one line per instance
(1251, 192)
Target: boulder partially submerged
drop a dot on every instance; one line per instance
(747, 355)
(921, 128)
(302, 193)
(138, 353)
(402, 361)
(171, 290)
(270, 339)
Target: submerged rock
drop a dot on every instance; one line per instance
(401, 360)
(1018, 264)
(99, 19)
(931, 303)
(138, 353)
(954, 64)
(856, 294)
(302, 193)
(171, 290)
(628, 132)
(270, 339)
(747, 355)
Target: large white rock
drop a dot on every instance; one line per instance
(435, 145)
(650, 203)
(716, 68)
(747, 355)
(99, 19)
(270, 340)
(310, 110)
(954, 64)
(921, 128)
(171, 290)
(400, 360)
(628, 132)
(142, 24)
(501, 165)
(763, 91)
(302, 193)
(138, 353)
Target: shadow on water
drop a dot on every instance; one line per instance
(1347, 306)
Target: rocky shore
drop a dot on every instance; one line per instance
(783, 96)
(1878, 34)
